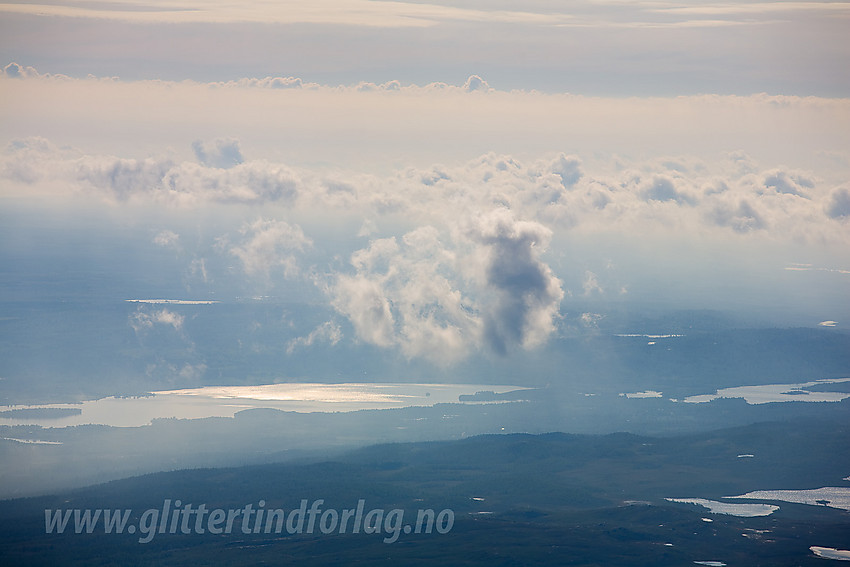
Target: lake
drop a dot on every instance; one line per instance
(728, 508)
(225, 401)
(770, 393)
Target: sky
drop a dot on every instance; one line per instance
(594, 47)
(433, 181)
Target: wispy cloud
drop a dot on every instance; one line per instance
(401, 14)
(328, 332)
(750, 8)
(345, 12)
(143, 320)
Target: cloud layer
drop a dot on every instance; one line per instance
(680, 193)
(370, 127)
(405, 14)
(439, 259)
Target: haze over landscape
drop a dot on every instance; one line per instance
(277, 234)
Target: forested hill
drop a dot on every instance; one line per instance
(516, 500)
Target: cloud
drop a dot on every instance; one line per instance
(24, 158)
(166, 238)
(250, 182)
(475, 83)
(442, 298)
(364, 302)
(198, 269)
(346, 127)
(222, 153)
(568, 168)
(522, 294)
(742, 218)
(192, 372)
(269, 83)
(406, 293)
(560, 191)
(663, 188)
(221, 178)
(397, 14)
(367, 228)
(267, 244)
(123, 177)
(463, 267)
(839, 204)
(790, 183)
(15, 71)
(405, 14)
(590, 285)
(142, 320)
(745, 9)
(327, 332)
(591, 320)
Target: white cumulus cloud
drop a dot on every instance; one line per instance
(406, 293)
(266, 244)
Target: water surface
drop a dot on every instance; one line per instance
(729, 508)
(225, 401)
(769, 393)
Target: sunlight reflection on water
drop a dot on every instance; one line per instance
(225, 401)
